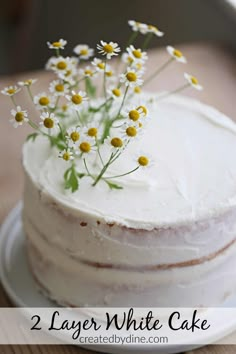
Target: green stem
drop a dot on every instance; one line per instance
(105, 167)
(132, 38)
(147, 40)
(123, 101)
(158, 71)
(124, 174)
(13, 101)
(30, 93)
(86, 167)
(99, 153)
(104, 81)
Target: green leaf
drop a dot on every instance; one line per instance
(32, 136)
(113, 185)
(90, 88)
(71, 179)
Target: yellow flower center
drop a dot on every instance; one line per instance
(109, 73)
(152, 28)
(77, 99)
(140, 124)
(48, 123)
(116, 142)
(137, 53)
(28, 82)
(132, 77)
(143, 161)
(75, 136)
(131, 131)
(68, 73)
(134, 115)
(101, 65)
(177, 53)
(19, 117)
(61, 65)
(66, 156)
(59, 88)
(11, 91)
(92, 132)
(139, 66)
(88, 72)
(143, 108)
(84, 52)
(137, 89)
(85, 147)
(116, 92)
(194, 80)
(64, 107)
(44, 101)
(130, 60)
(108, 48)
(56, 44)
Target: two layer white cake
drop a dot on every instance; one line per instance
(166, 239)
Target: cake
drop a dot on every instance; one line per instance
(166, 239)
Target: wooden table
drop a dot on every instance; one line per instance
(213, 65)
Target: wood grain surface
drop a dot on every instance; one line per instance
(215, 66)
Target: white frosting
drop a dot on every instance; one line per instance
(193, 178)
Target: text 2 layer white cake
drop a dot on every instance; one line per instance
(166, 239)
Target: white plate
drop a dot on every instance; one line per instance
(23, 291)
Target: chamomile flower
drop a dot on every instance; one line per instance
(137, 54)
(144, 160)
(131, 78)
(137, 90)
(57, 45)
(154, 30)
(99, 64)
(20, 117)
(176, 54)
(134, 113)
(115, 93)
(42, 100)
(58, 88)
(193, 81)
(10, 90)
(28, 82)
(87, 72)
(109, 72)
(83, 51)
(115, 142)
(66, 154)
(77, 99)
(85, 145)
(138, 26)
(127, 59)
(61, 64)
(73, 135)
(50, 122)
(131, 130)
(108, 49)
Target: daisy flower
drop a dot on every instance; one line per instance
(28, 82)
(108, 49)
(176, 54)
(99, 64)
(42, 100)
(83, 51)
(73, 136)
(134, 113)
(137, 54)
(66, 155)
(115, 142)
(143, 160)
(138, 26)
(49, 121)
(109, 73)
(87, 71)
(193, 81)
(91, 130)
(20, 117)
(115, 92)
(137, 90)
(85, 146)
(57, 45)
(61, 64)
(10, 90)
(131, 78)
(58, 88)
(127, 59)
(154, 30)
(77, 99)
(131, 130)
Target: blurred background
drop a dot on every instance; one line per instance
(26, 25)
